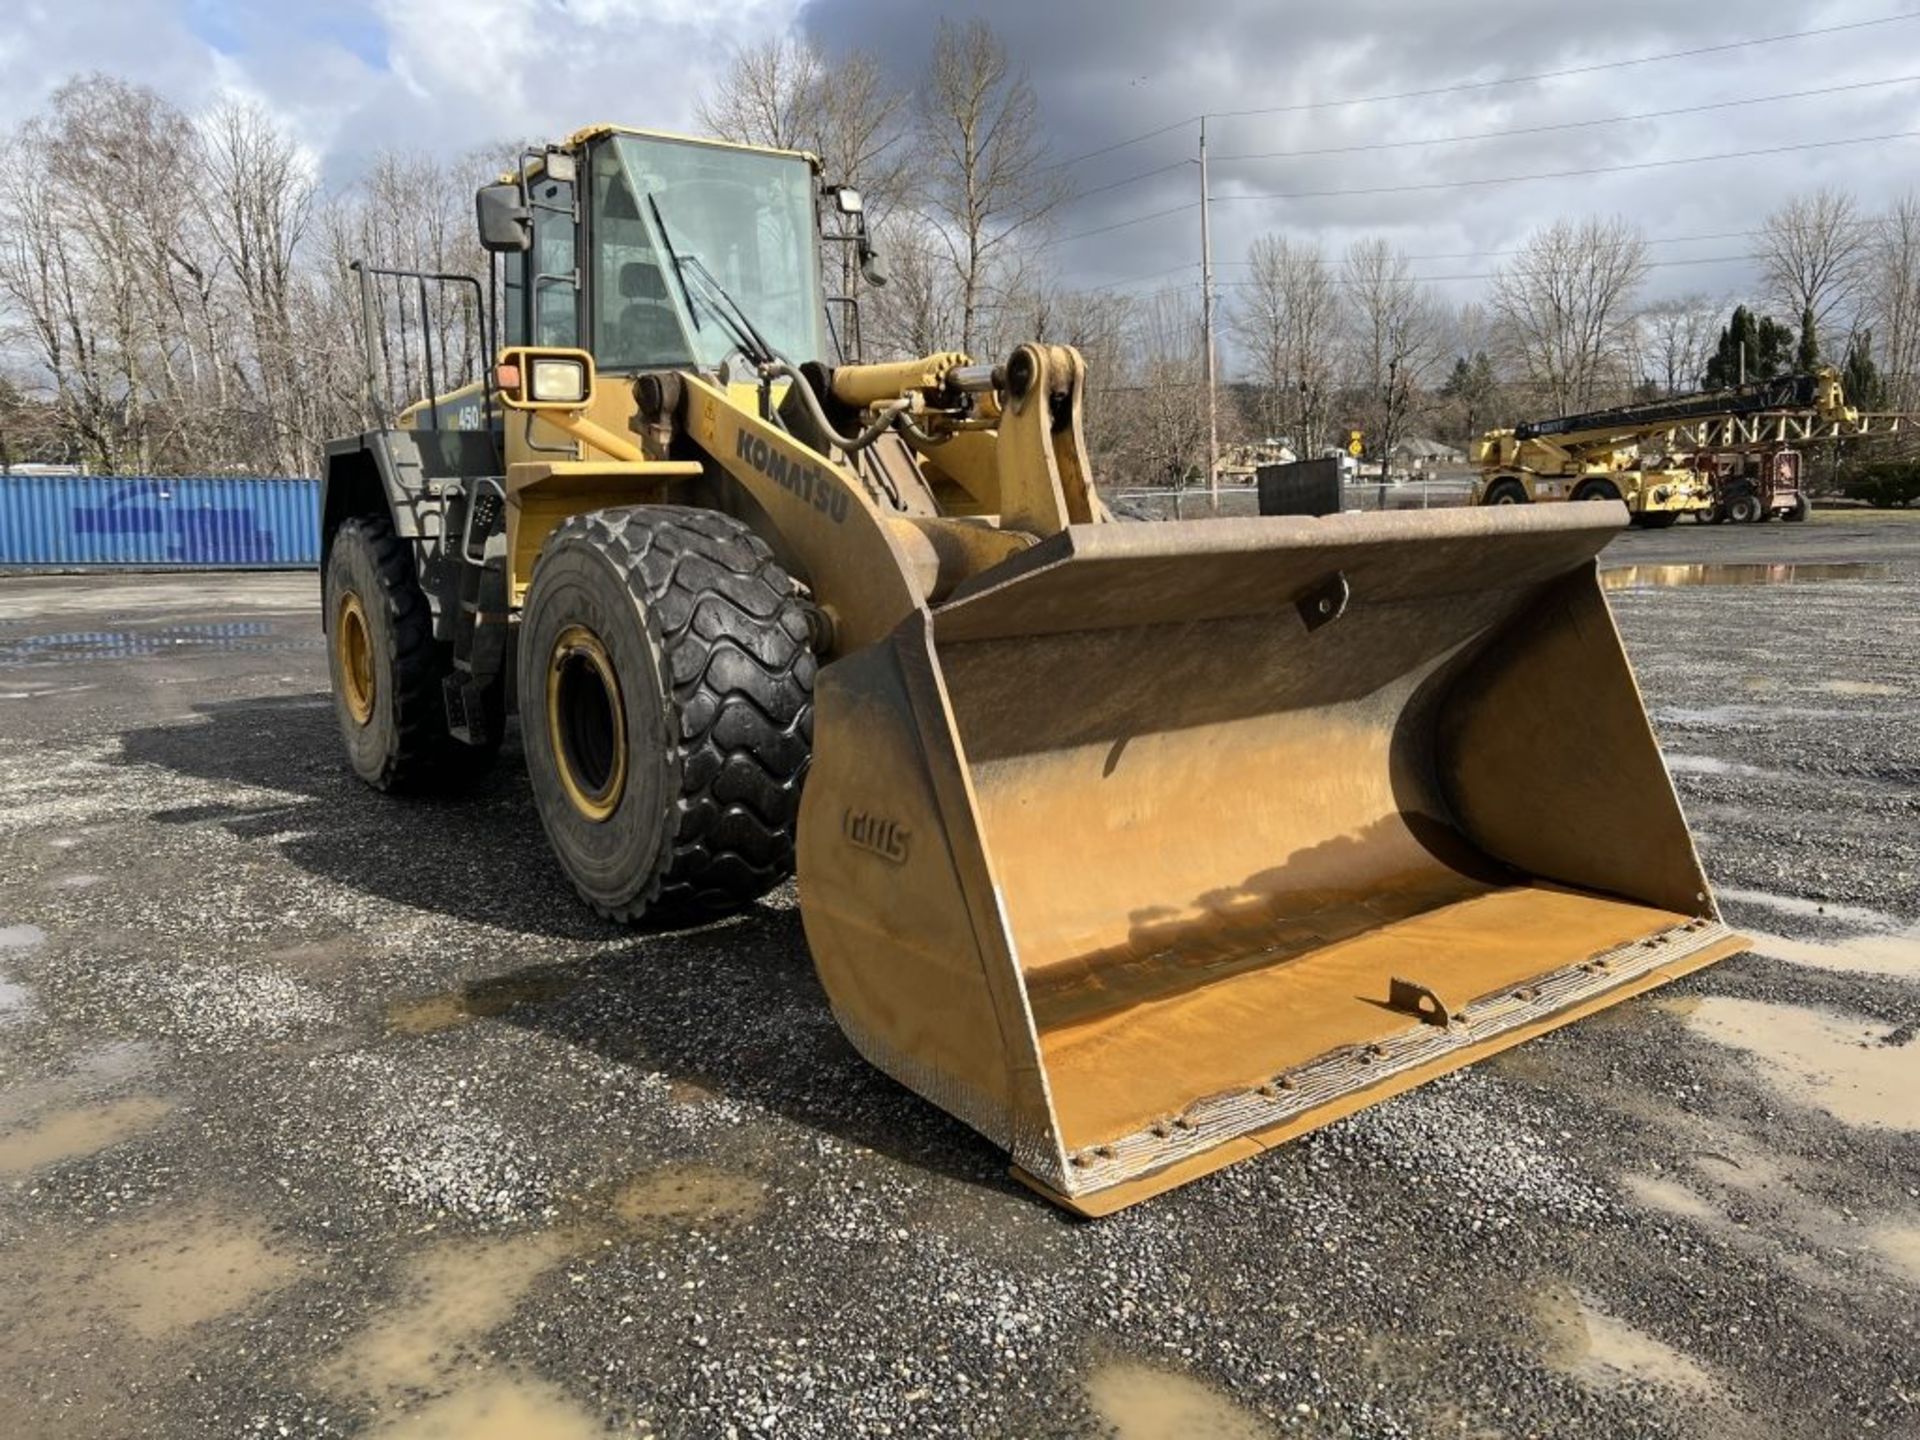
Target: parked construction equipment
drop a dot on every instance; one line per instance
(1138, 847)
(1649, 455)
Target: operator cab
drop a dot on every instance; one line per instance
(672, 233)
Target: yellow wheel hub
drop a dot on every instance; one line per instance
(353, 648)
(586, 722)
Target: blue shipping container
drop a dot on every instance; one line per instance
(190, 522)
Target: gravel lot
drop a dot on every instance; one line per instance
(322, 1114)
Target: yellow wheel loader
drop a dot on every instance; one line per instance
(1139, 847)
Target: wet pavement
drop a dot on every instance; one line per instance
(324, 1114)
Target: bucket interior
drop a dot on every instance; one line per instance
(1220, 833)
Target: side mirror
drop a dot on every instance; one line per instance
(873, 268)
(505, 222)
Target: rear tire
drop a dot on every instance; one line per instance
(1802, 507)
(1506, 492)
(1745, 508)
(387, 668)
(1656, 519)
(666, 703)
(1596, 490)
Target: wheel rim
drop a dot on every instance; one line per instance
(353, 648)
(1505, 497)
(586, 723)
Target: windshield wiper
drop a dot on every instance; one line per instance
(673, 257)
(714, 297)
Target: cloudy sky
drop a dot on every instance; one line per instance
(352, 76)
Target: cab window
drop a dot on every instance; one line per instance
(636, 325)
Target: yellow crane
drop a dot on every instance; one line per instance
(1644, 454)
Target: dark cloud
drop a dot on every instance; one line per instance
(1105, 72)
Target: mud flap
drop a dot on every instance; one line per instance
(1158, 844)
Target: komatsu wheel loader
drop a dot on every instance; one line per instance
(1139, 847)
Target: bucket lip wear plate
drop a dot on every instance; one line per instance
(1222, 1129)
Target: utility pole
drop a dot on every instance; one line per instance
(1206, 329)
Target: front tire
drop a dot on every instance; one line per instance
(387, 668)
(1802, 507)
(1506, 492)
(666, 707)
(1745, 508)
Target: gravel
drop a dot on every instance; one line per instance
(668, 1199)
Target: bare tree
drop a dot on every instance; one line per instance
(257, 196)
(1676, 337)
(767, 95)
(1810, 252)
(1890, 296)
(1395, 337)
(918, 312)
(985, 181)
(1564, 303)
(786, 93)
(1165, 428)
(1287, 322)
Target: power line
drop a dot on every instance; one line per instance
(1571, 70)
(1501, 134)
(1417, 279)
(1485, 84)
(1570, 174)
(1546, 129)
(1119, 224)
(1863, 222)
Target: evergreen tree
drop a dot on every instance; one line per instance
(1860, 379)
(1471, 386)
(1807, 359)
(1766, 344)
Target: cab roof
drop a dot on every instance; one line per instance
(594, 132)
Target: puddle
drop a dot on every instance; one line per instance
(93, 1070)
(451, 1296)
(1833, 1062)
(164, 1277)
(1739, 717)
(1139, 1402)
(688, 1195)
(1896, 956)
(1899, 1245)
(71, 1134)
(1655, 1192)
(1858, 687)
(682, 1091)
(1652, 577)
(157, 1277)
(1811, 909)
(16, 1003)
(500, 1407)
(1678, 764)
(426, 1014)
(226, 636)
(21, 937)
(1584, 1341)
(427, 1340)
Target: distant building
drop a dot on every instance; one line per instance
(1419, 451)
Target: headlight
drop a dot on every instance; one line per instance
(555, 382)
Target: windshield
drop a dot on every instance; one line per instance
(745, 217)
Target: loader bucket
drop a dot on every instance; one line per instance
(1159, 844)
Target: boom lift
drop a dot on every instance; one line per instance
(1138, 847)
